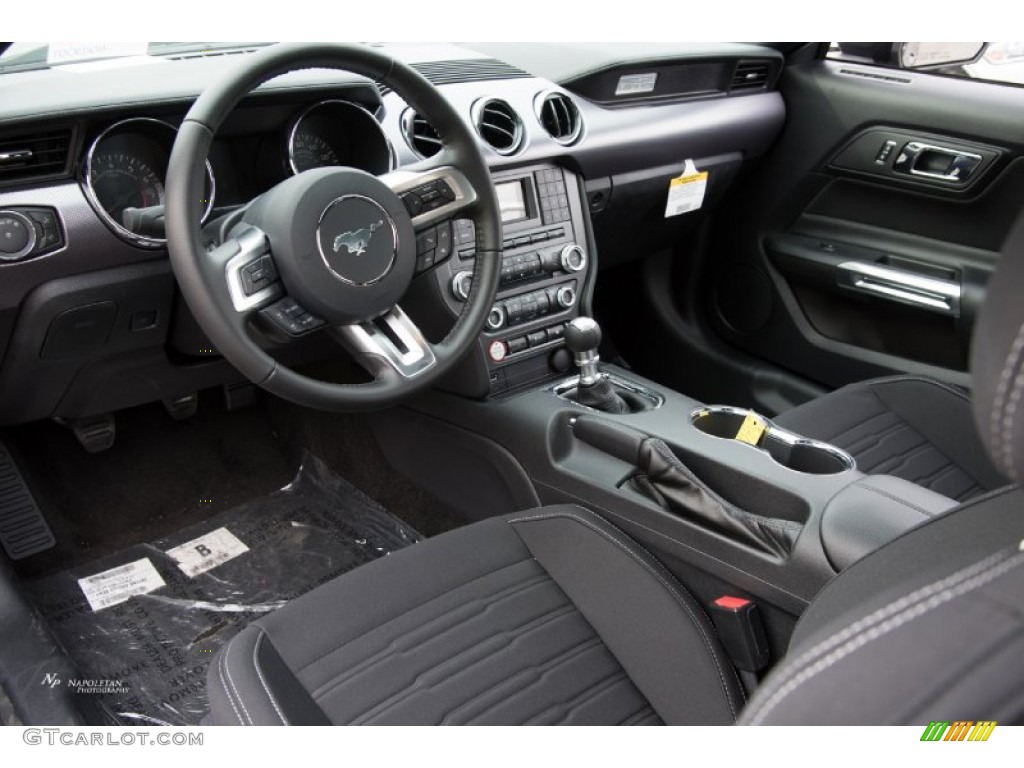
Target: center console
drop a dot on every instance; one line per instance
(546, 273)
(728, 501)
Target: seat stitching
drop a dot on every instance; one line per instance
(882, 613)
(227, 671)
(860, 639)
(594, 689)
(956, 391)
(263, 681)
(375, 710)
(413, 608)
(996, 414)
(639, 716)
(664, 582)
(871, 440)
(849, 428)
(1010, 421)
(560, 658)
(227, 690)
(867, 622)
(370, 661)
(886, 465)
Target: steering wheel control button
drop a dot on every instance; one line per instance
(17, 236)
(258, 275)
(498, 351)
(358, 240)
(426, 240)
(292, 318)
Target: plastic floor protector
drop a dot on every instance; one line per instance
(143, 626)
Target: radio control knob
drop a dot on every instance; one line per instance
(573, 258)
(566, 296)
(461, 285)
(496, 318)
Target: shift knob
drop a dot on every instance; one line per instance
(582, 335)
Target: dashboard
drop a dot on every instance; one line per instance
(90, 317)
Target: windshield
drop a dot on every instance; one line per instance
(20, 57)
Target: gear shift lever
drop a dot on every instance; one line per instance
(582, 337)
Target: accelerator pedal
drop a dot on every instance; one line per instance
(23, 529)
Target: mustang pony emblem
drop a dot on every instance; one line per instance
(357, 241)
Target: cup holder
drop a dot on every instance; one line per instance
(789, 450)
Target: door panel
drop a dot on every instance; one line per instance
(873, 226)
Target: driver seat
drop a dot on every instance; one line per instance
(555, 616)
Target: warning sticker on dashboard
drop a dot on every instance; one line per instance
(119, 584)
(686, 191)
(207, 552)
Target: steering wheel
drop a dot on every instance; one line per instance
(332, 247)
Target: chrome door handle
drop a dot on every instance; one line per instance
(904, 287)
(931, 161)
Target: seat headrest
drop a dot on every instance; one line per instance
(997, 361)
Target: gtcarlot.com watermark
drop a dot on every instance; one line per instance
(63, 737)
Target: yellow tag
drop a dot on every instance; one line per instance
(686, 191)
(751, 430)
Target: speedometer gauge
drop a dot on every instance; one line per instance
(338, 132)
(310, 150)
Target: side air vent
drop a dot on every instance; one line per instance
(420, 135)
(498, 125)
(750, 76)
(559, 116)
(34, 156)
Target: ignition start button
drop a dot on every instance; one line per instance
(497, 350)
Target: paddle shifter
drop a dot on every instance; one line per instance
(582, 337)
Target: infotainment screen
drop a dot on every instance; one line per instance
(512, 201)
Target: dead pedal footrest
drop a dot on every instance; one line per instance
(23, 529)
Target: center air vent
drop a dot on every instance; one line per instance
(34, 156)
(750, 76)
(420, 135)
(559, 116)
(498, 125)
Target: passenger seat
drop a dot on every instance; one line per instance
(913, 427)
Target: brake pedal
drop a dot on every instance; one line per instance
(240, 395)
(95, 433)
(183, 407)
(23, 529)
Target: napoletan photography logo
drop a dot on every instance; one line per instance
(100, 686)
(958, 730)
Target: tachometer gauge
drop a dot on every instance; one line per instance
(124, 172)
(309, 150)
(122, 181)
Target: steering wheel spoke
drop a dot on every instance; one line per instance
(432, 193)
(389, 344)
(249, 270)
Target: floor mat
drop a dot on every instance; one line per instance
(143, 625)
